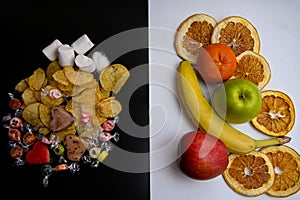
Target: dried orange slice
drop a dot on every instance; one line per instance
(238, 33)
(253, 67)
(250, 174)
(286, 164)
(192, 34)
(277, 114)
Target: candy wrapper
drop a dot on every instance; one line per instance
(64, 116)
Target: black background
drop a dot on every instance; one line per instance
(26, 28)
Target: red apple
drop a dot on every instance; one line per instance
(202, 156)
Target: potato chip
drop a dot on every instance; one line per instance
(113, 77)
(69, 106)
(44, 130)
(49, 101)
(93, 84)
(65, 88)
(45, 114)
(21, 86)
(59, 76)
(83, 78)
(77, 77)
(28, 96)
(104, 93)
(74, 108)
(108, 108)
(98, 96)
(99, 120)
(77, 89)
(86, 97)
(31, 115)
(36, 80)
(44, 83)
(37, 95)
(51, 69)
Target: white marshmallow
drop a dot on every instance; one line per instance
(66, 55)
(82, 44)
(50, 51)
(85, 63)
(89, 69)
(100, 60)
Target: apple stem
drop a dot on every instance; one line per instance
(273, 141)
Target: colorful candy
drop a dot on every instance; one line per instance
(15, 122)
(14, 134)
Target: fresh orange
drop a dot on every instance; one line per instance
(253, 67)
(286, 164)
(193, 34)
(238, 33)
(250, 174)
(277, 114)
(216, 63)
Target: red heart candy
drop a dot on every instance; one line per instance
(39, 154)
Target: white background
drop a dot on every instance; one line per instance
(278, 25)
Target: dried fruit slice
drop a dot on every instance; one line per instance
(238, 33)
(286, 164)
(277, 114)
(250, 174)
(192, 34)
(254, 67)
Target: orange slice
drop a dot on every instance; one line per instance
(250, 174)
(286, 164)
(253, 67)
(192, 34)
(277, 114)
(238, 33)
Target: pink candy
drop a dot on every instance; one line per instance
(55, 94)
(108, 125)
(86, 117)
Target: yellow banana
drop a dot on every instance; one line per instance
(203, 115)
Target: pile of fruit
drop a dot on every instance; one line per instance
(226, 54)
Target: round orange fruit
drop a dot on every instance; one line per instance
(253, 67)
(286, 165)
(238, 33)
(250, 174)
(277, 114)
(216, 63)
(193, 34)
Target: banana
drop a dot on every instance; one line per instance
(204, 117)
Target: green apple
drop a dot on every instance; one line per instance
(237, 100)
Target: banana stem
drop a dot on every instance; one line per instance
(273, 141)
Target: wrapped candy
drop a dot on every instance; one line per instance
(109, 124)
(47, 170)
(14, 103)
